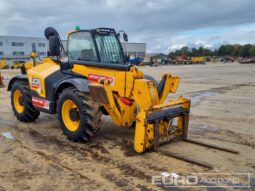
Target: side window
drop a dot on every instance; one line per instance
(81, 47)
(109, 49)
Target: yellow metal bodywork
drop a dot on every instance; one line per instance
(172, 83)
(31, 64)
(40, 72)
(146, 97)
(122, 81)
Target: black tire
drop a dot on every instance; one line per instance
(29, 113)
(89, 114)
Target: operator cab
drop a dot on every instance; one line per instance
(99, 46)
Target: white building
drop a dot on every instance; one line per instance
(17, 49)
(135, 49)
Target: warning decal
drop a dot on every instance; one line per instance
(95, 78)
(40, 103)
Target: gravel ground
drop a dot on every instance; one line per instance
(37, 156)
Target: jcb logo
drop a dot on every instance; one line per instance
(36, 83)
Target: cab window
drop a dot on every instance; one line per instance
(81, 47)
(109, 48)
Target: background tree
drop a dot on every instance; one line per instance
(252, 51)
(236, 50)
(224, 50)
(245, 50)
(185, 50)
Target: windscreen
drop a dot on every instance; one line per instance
(109, 49)
(81, 47)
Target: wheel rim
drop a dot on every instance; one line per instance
(71, 123)
(18, 101)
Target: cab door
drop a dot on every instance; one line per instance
(98, 56)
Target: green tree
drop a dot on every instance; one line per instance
(215, 52)
(200, 51)
(207, 52)
(252, 51)
(244, 50)
(236, 50)
(185, 50)
(178, 53)
(229, 49)
(194, 52)
(222, 51)
(171, 55)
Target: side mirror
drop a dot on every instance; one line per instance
(125, 37)
(54, 46)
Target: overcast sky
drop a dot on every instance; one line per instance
(163, 24)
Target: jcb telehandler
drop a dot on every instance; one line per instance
(93, 78)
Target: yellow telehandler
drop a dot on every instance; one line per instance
(198, 60)
(3, 64)
(93, 78)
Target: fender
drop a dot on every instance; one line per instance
(58, 81)
(80, 83)
(15, 78)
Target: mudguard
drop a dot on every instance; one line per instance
(80, 83)
(58, 81)
(15, 78)
(56, 88)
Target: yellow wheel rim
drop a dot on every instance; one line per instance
(67, 107)
(18, 102)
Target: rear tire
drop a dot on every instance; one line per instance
(21, 102)
(79, 116)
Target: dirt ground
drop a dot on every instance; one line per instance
(37, 156)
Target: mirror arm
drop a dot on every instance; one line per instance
(61, 44)
(125, 36)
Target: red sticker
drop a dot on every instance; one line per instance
(95, 78)
(40, 103)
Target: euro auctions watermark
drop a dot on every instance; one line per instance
(217, 180)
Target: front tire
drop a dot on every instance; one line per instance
(21, 102)
(79, 116)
